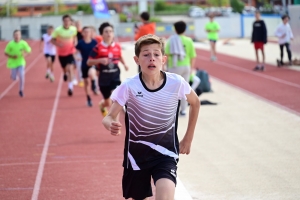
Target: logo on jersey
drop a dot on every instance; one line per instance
(139, 94)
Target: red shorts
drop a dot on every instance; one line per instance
(259, 45)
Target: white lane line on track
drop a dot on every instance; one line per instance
(14, 82)
(39, 175)
(180, 192)
(252, 72)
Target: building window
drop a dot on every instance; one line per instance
(25, 31)
(38, 8)
(22, 9)
(43, 29)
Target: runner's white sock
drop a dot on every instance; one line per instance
(71, 85)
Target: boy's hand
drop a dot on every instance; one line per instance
(126, 67)
(103, 61)
(14, 57)
(185, 147)
(115, 128)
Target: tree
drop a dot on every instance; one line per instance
(218, 3)
(12, 9)
(237, 6)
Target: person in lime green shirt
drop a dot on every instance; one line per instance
(181, 56)
(212, 28)
(16, 51)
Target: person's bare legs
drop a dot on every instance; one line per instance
(165, 189)
(70, 70)
(213, 50)
(257, 57)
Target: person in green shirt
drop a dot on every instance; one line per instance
(181, 56)
(16, 51)
(212, 28)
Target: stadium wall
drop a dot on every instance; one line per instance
(236, 26)
(294, 12)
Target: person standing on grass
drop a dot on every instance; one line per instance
(16, 51)
(259, 39)
(285, 35)
(181, 56)
(65, 38)
(106, 56)
(151, 145)
(145, 28)
(84, 47)
(212, 28)
(49, 52)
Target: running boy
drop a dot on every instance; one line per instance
(84, 47)
(259, 39)
(49, 52)
(151, 146)
(16, 51)
(212, 28)
(285, 35)
(106, 55)
(64, 38)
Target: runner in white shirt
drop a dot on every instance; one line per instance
(285, 35)
(49, 52)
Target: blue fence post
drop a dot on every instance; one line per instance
(242, 26)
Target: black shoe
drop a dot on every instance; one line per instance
(89, 103)
(21, 94)
(65, 77)
(262, 68)
(47, 76)
(70, 92)
(257, 68)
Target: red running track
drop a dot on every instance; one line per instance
(83, 161)
(280, 86)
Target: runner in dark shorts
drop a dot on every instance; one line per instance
(106, 56)
(84, 47)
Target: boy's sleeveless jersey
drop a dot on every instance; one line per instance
(151, 120)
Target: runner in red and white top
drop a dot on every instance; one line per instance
(106, 56)
(49, 51)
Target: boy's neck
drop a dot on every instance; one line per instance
(87, 40)
(17, 40)
(153, 81)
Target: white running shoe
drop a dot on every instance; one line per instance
(75, 82)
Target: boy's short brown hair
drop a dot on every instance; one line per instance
(147, 40)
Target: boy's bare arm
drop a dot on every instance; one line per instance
(111, 122)
(97, 61)
(186, 142)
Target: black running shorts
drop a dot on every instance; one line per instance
(107, 89)
(137, 183)
(66, 60)
(51, 56)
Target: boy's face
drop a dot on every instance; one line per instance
(150, 59)
(17, 36)
(87, 33)
(285, 20)
(108, 34)
(49, 31)
(67, 22)
(257, 16)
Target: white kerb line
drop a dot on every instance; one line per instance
(39, 175)
(253, 73)
(14, 82)
(180, 191)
